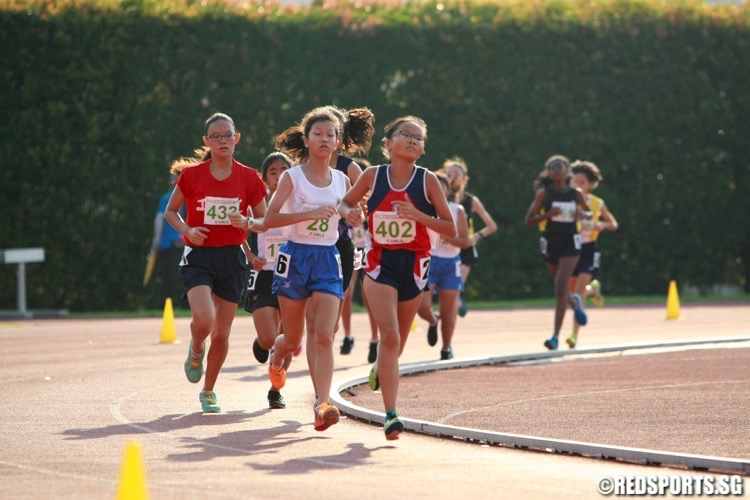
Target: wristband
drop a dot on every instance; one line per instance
(250, 222)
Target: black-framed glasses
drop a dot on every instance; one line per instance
(218, 137)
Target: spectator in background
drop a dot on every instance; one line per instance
(166, 248)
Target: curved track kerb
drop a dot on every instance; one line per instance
(591, 450)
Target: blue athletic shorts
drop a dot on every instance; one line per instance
(404, 270)
(304, 269)
(445, 273)
(590, 259)
(223, 269)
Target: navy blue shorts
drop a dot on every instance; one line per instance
(552, 246)
(259, 292)
(304, 269)
(590, 259)
(404, 270)
(222, 269)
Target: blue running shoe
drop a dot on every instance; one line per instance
(551, 343)
(578, 312)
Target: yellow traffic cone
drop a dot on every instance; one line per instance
(673, 301)
(132, 475)
(168, 331)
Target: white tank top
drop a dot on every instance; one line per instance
(306, 197)
(440, 248)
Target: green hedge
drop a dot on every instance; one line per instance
(100, 96)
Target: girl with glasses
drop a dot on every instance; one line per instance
(405, 201)
(213, 185)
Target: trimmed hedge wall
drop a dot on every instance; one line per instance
(100, 96)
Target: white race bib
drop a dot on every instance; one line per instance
(567, 211)
(271, 247)
(389, 229)
(317, 229)
(216, 210)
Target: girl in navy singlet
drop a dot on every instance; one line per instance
(405, 201)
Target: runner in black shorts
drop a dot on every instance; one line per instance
(555, 210)
(213, 264)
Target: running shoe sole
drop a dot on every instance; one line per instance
(393, 428)
(326, 416)
(374, 379)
